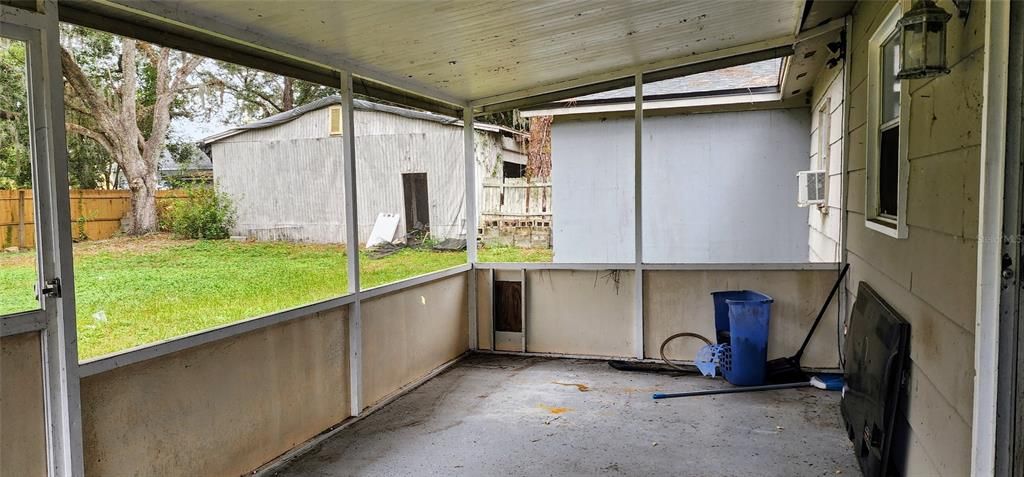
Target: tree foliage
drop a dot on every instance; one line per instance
(205, 214)
(249, 94)
(15, 170)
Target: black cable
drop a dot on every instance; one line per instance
(839, 329)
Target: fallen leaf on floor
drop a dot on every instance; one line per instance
(582, 387)
(554, 409)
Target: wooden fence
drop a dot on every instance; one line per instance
(516, 199)
(95, 214)
(516, 213)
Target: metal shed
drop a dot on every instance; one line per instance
(298, 151)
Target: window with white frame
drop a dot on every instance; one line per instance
(887, 166)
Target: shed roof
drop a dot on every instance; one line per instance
(752, 76)
(360, 104)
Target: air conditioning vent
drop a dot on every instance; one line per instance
(812, 188)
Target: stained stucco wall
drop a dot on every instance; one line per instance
(717, 187)
(22, 418)
(409, 333)
(223, 408)
(592, 312)
(929, 278)
(680, 300)
(580, 312)
(825, 221)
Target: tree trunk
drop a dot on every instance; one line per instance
(141, 174)
(288, 97)
(141, 218)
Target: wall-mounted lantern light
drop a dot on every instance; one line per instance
(923, 31)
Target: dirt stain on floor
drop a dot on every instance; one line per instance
(582, 387)
(554, 409)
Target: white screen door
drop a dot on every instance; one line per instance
(36, 282)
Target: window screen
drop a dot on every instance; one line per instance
(889, 130)
(890, 85)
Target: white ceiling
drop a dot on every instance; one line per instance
(467, 50)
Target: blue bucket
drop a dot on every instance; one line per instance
(741, 321)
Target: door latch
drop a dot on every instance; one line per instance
(51, 288)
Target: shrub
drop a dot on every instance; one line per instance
(205, 213)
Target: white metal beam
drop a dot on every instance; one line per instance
(682, 103)
(469, 153)
(735, 266)
(638, 218)
(355, 321)
(990, 227)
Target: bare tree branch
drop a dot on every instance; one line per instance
(189, 66)
(83, 89)
(257, 97)
(94, 135)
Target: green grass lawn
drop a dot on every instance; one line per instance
(131, 292)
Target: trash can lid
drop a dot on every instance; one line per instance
(743, 296)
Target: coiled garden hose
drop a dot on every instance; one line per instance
(679, 335)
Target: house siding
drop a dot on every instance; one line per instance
(929, 277)
(824, 223)
(718, 187)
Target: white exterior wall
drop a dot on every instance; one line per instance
(286, 180)
(718, 187)
(825, 222)
(592, 191)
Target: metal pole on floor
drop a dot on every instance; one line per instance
(745, 389)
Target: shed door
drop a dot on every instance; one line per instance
(417, 203)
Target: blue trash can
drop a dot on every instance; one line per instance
(741, 321)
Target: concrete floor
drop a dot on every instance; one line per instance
(512, 416)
